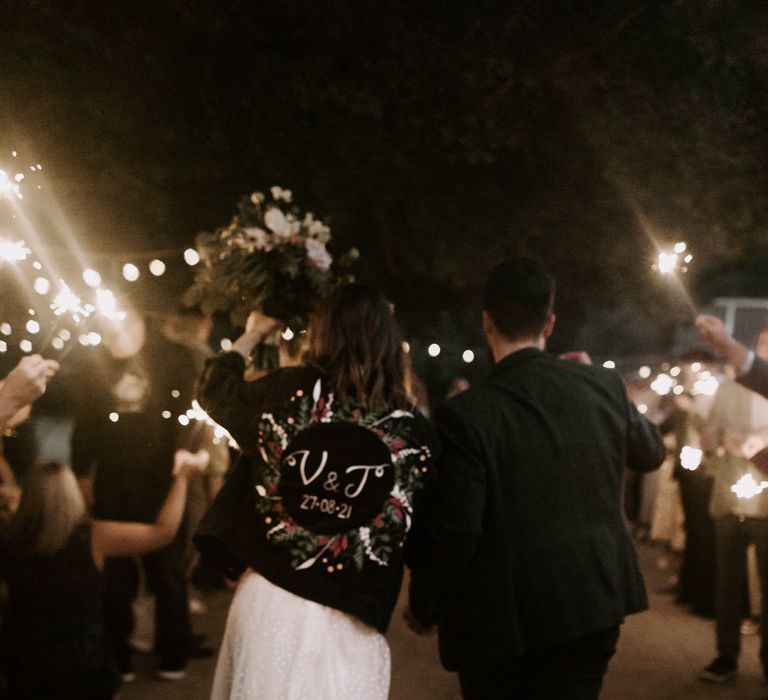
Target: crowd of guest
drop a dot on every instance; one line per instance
(341, 480)
(98, 497)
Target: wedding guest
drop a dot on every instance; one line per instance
(736, 430)
(191, 328)
(22, 386)
(317, 516)
(51, 555)
(134, 386)
(751, 370)
(523, 557)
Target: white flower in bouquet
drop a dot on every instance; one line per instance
(277, 223)
(316, 228)
(256, 238)
(279, 193)
(294, 224)
(257, 198)
(317, 254)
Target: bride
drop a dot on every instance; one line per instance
(314, 520)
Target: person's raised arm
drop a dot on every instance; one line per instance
(111, 538)
(24, 384)
(712, 332)
(223, 392)
(751, 371)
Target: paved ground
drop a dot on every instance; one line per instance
(659, 656)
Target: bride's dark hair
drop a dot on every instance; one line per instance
(355, 340)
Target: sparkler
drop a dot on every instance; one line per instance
(13, 251)
(690, 458)
(747, 487)
(668, 262)
(9, 185)
(197, 413)
(67, 302)
(706, 384)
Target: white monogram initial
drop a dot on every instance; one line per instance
(350, 491)
(304, 456)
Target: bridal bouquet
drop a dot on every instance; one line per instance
(271, 258)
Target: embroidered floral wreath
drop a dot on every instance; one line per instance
(270, 258)
(375, 541)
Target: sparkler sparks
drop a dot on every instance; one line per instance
(67, 302)
(747, 487)
(9, 186)
(690, 457)
(13, 251)
(197, 413)
(107, 305)
(671, 261)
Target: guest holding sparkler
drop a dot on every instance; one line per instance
(737, 431)
(132, 391)
(51, 555)
(319, 513)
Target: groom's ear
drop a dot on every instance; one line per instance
(550, 324)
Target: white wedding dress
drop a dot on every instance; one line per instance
(279, 646)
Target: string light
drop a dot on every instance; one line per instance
(609, 364)
(468, 356)
(288, 334)
(33, 327)
(433, 350)
(157, 267)
(91, 278)
(41, 285)
(191, 257)
(226, 344)
(25, 345)
(406, 347)
(130, 272)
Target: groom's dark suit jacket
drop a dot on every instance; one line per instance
(521, 541)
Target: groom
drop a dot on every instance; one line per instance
(522, 555)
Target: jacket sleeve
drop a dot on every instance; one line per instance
(446, 530)
(234, 403)
(645, 447)
(757, 377)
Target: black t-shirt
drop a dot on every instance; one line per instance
(127, 426)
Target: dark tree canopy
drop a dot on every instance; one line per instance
(435, 137)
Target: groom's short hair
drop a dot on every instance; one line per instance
(518, 297)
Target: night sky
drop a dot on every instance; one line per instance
(435, 137)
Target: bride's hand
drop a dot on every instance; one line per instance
(257, 327)
(260, 324)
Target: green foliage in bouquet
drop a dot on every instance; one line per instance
(270, 258)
